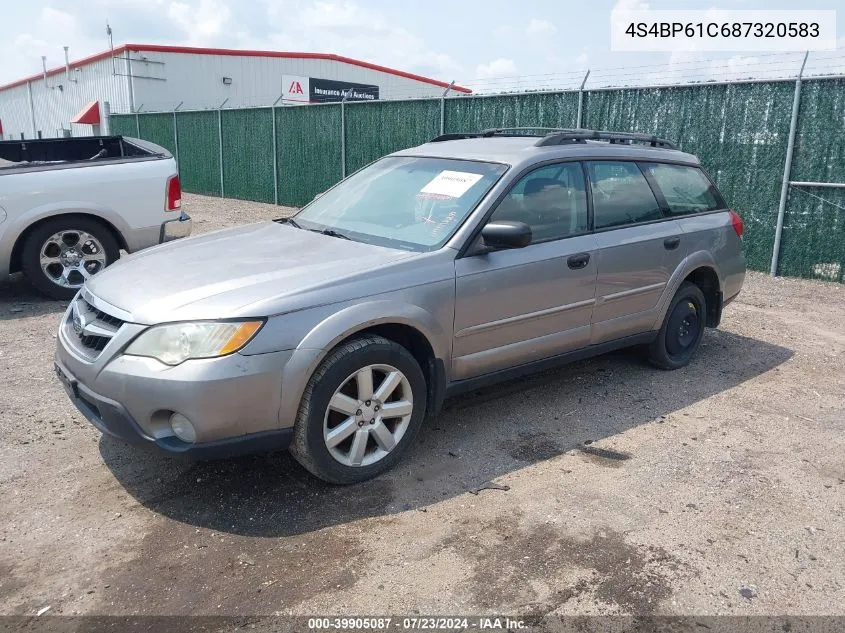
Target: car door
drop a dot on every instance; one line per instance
(637, 249)
(520, 305)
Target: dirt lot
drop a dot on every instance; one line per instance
(716, 489)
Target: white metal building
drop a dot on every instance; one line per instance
(75, 99)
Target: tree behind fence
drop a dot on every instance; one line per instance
(739, 131)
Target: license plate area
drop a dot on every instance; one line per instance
(67, 382)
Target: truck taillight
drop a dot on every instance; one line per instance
(174, 194)
(736, 222)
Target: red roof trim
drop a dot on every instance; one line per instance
(190, 50)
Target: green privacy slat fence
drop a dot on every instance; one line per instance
(549, 109)
(158, 128)
(813, 241)
(739, 131)
(248, 154)
(308, 144)
(376, 129)
(199, 152)
(122, 125)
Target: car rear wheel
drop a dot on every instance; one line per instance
(682, 329)
(61, 254)
(361, 411)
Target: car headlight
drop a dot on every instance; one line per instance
(177, 342)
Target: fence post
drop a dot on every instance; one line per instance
(343, 133)
(176, 134)
(220, 144)
(581, 100)
(137, 125)
(275, 154)
(443, 107)
(787, 168)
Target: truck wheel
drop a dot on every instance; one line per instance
(60, 254)
(360, 412)
(682, 329)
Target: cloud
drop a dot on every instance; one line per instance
(347, 28)
(535, 29)
(46, 36)
(28, 45)
(202, 22)
(630, 5)
(496, 69)
(540, 28)
(56, 20)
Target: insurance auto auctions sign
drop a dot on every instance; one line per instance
(313, 90)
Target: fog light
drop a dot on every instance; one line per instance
(182, 428)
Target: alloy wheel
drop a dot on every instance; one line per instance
(68, 258)
(368, 415)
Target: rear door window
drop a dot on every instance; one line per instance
(686, 189)
(621, 195)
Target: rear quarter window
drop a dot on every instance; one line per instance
(686, 189)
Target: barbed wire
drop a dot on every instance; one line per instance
(785, 66)
(701, 63)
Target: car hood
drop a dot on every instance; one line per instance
(253, 270)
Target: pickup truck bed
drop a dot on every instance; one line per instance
(69, 205)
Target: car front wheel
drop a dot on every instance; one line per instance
(360, 412)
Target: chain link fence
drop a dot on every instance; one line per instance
(287, 155)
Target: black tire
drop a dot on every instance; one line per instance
(682, 329)
(37, 238)
(309, 445)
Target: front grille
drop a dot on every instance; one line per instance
(105, 318)
(96, 343)
(89, 328)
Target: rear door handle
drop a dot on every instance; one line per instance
(671, 243)
(578, 261)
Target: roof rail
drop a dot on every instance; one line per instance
(563, 137)
(498, 131)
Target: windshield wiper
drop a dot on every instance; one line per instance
(331, 233)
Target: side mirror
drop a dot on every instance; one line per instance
(319, 195)
(506, 234)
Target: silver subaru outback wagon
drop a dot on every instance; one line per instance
(466, 260)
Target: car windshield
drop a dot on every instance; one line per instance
(408, 202)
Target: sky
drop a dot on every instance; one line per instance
(488, 45)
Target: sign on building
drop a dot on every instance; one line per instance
(300, 89)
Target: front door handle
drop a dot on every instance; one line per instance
(578, 261)
(671, 243)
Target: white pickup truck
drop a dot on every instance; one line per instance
(69, 205)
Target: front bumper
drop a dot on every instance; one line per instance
(111, 418)
(233, 402)
(177, 228)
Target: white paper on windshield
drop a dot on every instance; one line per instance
(451, 184)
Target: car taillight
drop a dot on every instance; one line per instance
(174, 194)
(736, 222)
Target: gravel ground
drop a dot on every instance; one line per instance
(715, 489)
